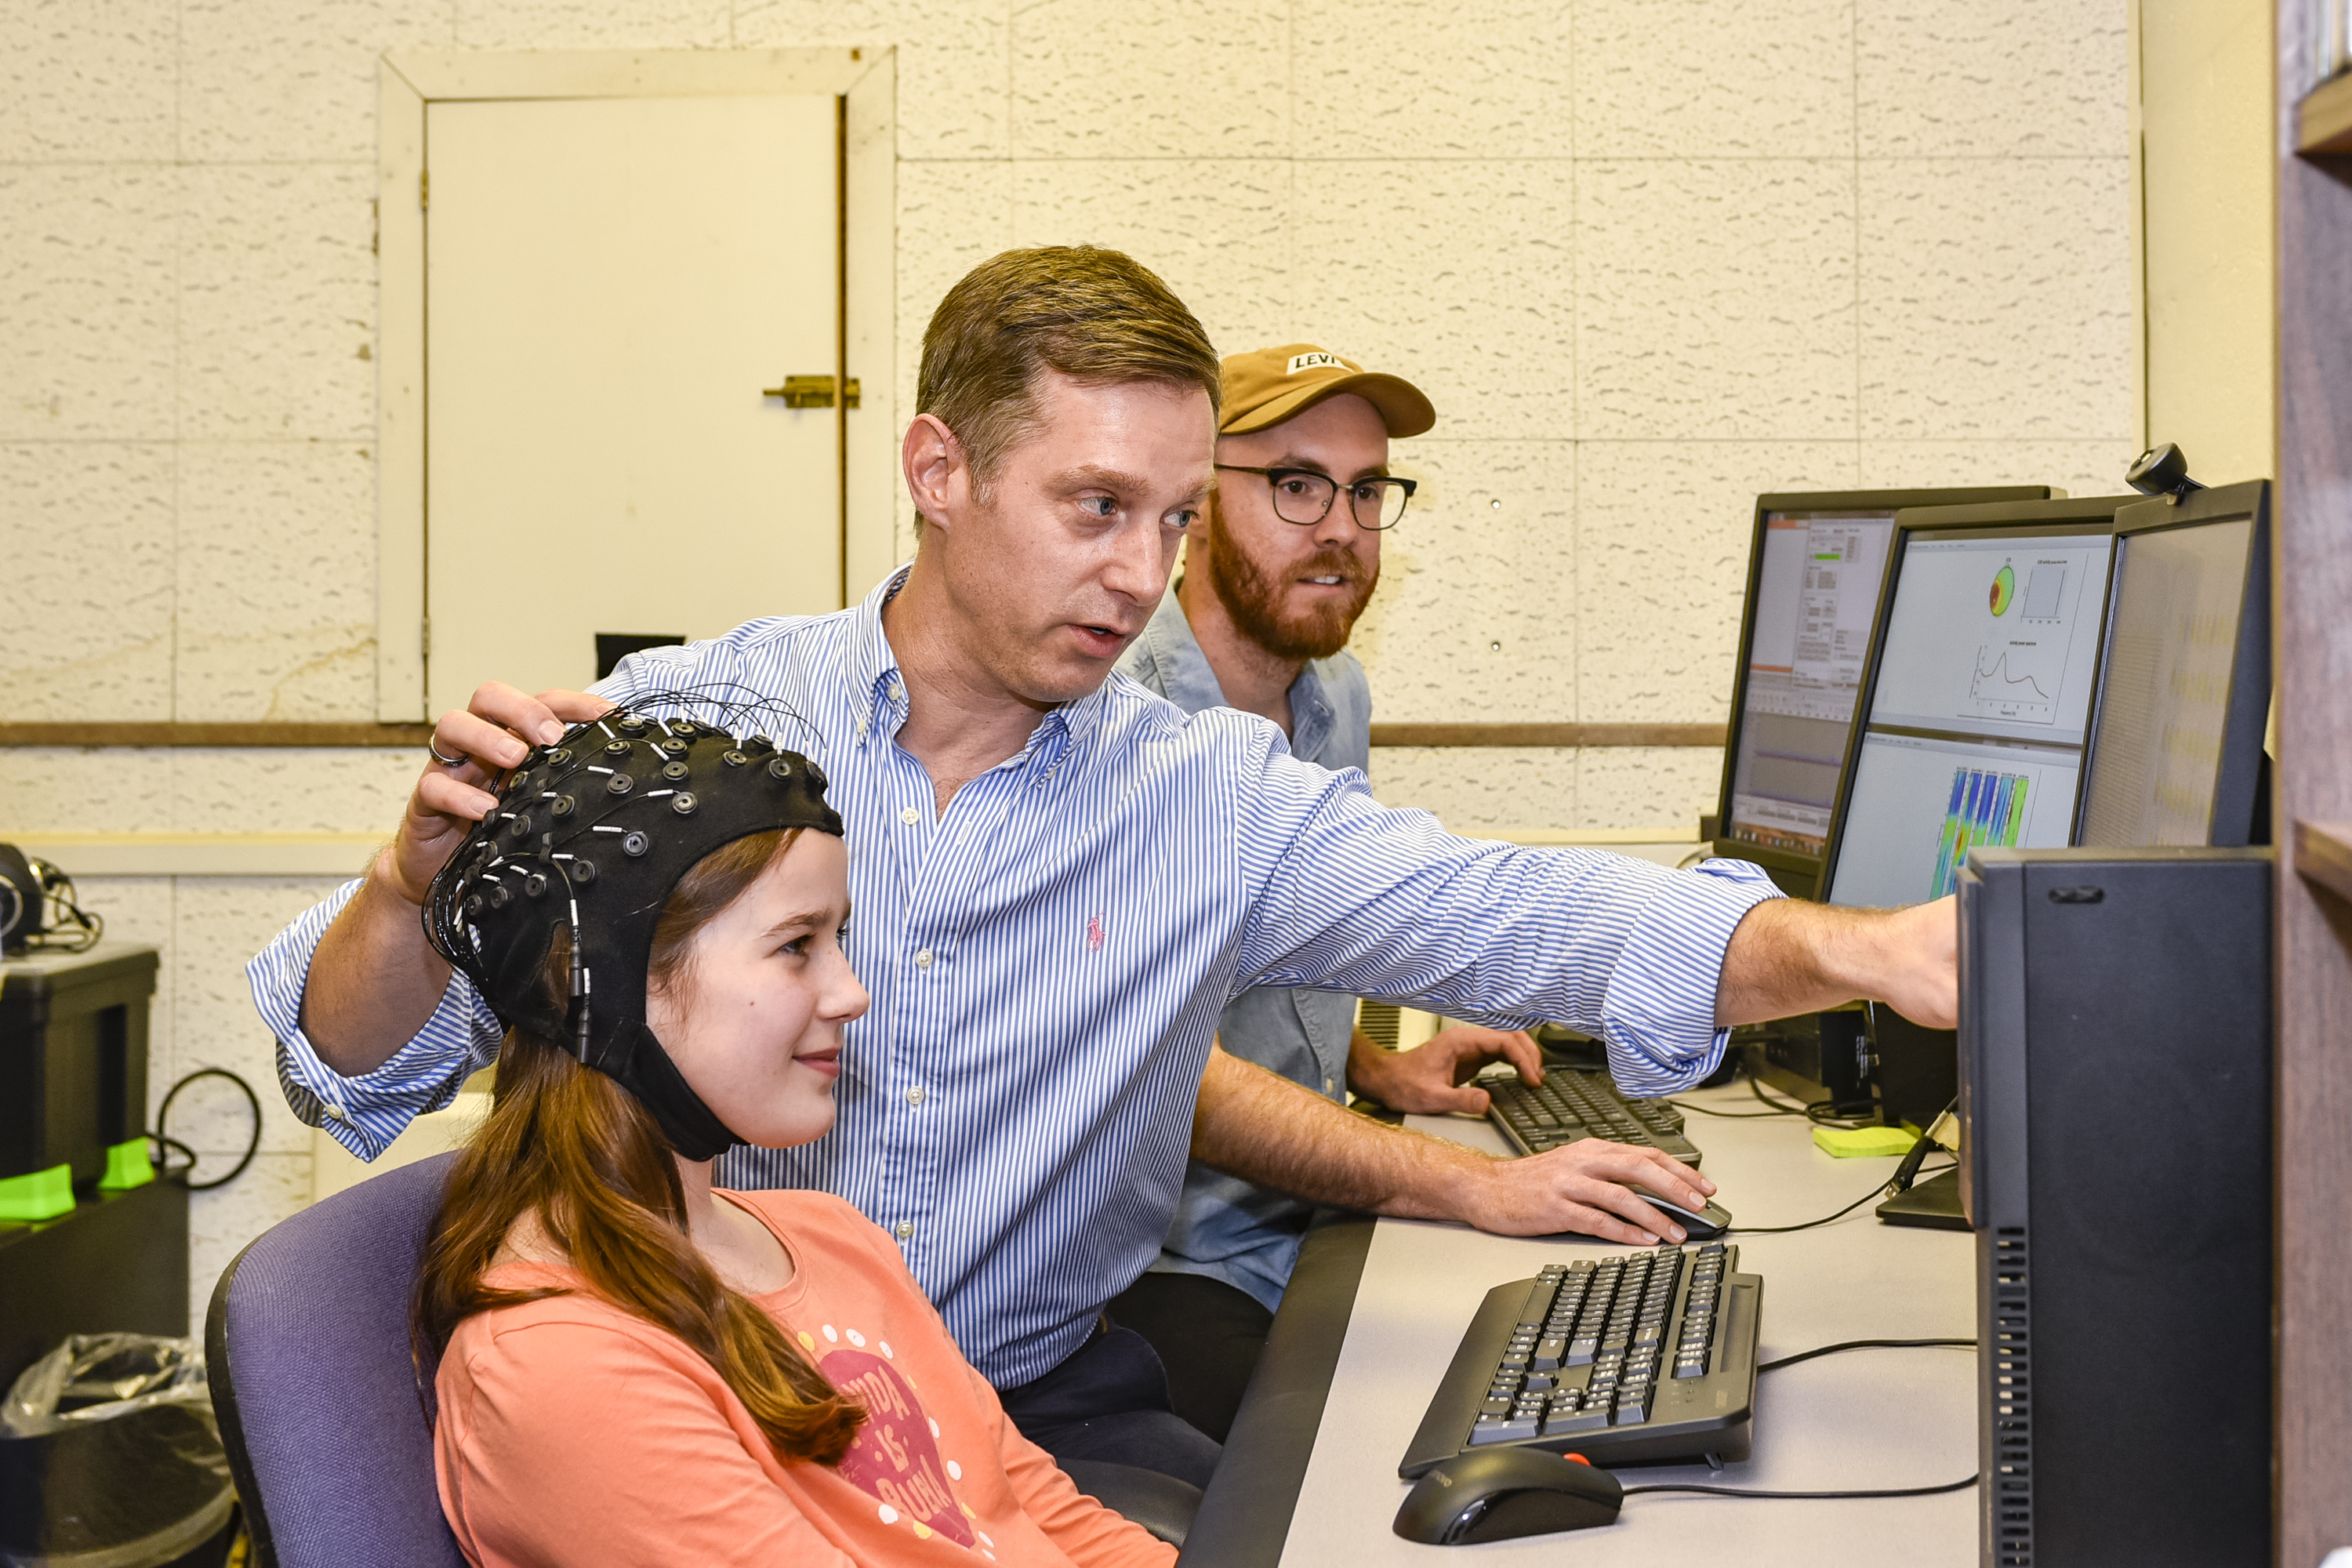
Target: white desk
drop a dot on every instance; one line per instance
(1859, 1419)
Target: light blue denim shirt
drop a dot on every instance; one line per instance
(1226, 1227)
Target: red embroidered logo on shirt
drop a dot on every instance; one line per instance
(1095, 931)
(896, 1457)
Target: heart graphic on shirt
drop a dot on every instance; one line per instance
(895, 1458)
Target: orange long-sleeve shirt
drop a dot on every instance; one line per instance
(571, 1432)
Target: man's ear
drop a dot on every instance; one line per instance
(939, 478)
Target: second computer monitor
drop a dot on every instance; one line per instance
(2176, 747)
(1816, 563)
(1977, 705)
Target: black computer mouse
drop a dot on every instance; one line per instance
(1497, 1494)
(1701, 1224)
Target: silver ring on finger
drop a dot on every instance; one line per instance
(435, 752)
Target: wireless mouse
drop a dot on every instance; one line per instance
(1702, 1224)
(1498, 1494)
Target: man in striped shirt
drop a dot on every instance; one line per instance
(1281, 563)
(1059, 881)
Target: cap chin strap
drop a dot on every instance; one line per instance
(644, 1069)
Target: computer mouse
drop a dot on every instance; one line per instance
(1498, 1494)
(1702, 1224)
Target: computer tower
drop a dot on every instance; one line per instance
(2116, 1098)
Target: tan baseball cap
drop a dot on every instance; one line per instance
(1270, 385)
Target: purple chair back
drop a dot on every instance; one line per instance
(320, 1409)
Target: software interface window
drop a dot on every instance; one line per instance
(1977, 725)
(1816, 596)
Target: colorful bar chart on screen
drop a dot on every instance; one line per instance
(1986, 808)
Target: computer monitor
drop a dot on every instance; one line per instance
(1815, 566)
(2184, 692)
(1977, 701)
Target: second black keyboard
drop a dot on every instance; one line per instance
(1572, 1103)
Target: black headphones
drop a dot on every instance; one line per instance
(37, 908)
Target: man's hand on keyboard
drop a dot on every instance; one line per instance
(1433, 1078)
(1582, 1187)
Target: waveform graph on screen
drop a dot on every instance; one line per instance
(1986, 809)
(2018, 680)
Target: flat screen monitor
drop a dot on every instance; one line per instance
(2184, 696)
(1977, 703)
(1815, 566)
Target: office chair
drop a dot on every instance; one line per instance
(328, 1428)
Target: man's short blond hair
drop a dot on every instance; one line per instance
(1096, 316)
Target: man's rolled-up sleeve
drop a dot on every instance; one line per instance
(1350, 895)
(367, 1113)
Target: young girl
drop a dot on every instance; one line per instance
(635, 1367)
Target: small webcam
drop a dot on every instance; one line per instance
(2161, 471)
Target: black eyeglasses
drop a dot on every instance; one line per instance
(1303, 496)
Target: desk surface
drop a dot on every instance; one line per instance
(1868, 1419)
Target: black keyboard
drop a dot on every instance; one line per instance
(1644, 1357)
(1571, 1103)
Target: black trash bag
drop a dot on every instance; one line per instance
(109, 1458)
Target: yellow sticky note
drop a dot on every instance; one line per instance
(1858, 1143)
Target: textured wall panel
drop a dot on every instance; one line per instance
(291, 81)
(1663, 535)
(86, 303)
(1403, 78)
(1668, 78)
(1481, 789)
(86, 588)
(2078, 467)
(591, 24)
(1216, 230)
(1665, 787)
(1475, 616)
(1456, 275)
(277, 309)
(289, 789)
(954, 62)
(221, 922)
(277, 582)
(1715, 300)
(1206, 80)
(2052, 78)
(1996, 299)
(85, 83)
(84, 789)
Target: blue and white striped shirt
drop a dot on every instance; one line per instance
(1049, 958)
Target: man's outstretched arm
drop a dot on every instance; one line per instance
(1786, 958)
(1263, 1128)
(374, 981)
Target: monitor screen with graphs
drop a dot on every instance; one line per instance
(1816, 564)
(1980, 697)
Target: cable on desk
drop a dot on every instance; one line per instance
(1862, 1345)
(1785, 1229)
(1743, 1491)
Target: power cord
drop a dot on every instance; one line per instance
(1785, 1229)
(1745, 1492)
(180, 1173)
(1864, 1345)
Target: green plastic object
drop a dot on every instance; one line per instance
(127, 1166)
(40, 1195)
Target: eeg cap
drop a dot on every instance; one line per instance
(592, 835)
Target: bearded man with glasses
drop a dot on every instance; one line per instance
(1279, 565)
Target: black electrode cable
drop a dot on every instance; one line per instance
(1785, 1229)
(1865, 1346)
(162, 1115)
(1743, 1491)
